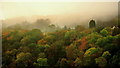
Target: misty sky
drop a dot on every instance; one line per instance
(59, 12)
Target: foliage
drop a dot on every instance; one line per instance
(93, 37)
(104, 32)
(63, 63)
(41, 62)
(78, 62)
(83, 45)
(23, 59)
(72, 49)
(65, 47)
(106, 54)
(105, 40)
(70, 36)
(55, 52)
(93, 52)
(101, 61)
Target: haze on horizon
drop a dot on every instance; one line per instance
(60, 13)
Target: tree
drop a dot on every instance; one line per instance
(79, 28)
(106, 54)
(50, 38)
(115, 60)
(70, 36)
(42, 24)
(92, 24)
(23, 60)
(32, 37)
(65, 27)
(41, 55)
(104, 32)
(42, 47)
(78, 62)
(93, 52)
(8, 58)
(51, 28)
(109, 30)
(41, 62)
(89, 61)
(72, 52)
(101, 61)
(115, 31)
(103, 41)
(54, 52)
(109, 43)
(83, 45)
(39, 49)
(42, 42)
(98, 29)
(63, 63)
(92, 38)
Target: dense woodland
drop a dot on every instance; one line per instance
(55, 47)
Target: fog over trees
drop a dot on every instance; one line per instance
(60, 35)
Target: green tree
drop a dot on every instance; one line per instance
(105, 40)
(101, 61)
(41, 55)
(109, 43)
(114, 61)
(92, 38)
(23, 60)
(54, 52)
(39, 49)
(70, 36)
(32, 37)
(78, 62)
(106, 54)
(104, 32)
(42, 47)
(93, 52)
(41, 62)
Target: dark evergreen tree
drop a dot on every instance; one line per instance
(92, 24)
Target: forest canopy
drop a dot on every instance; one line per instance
(42, 44)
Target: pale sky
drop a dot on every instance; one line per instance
(61, 11)
(15, 9)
